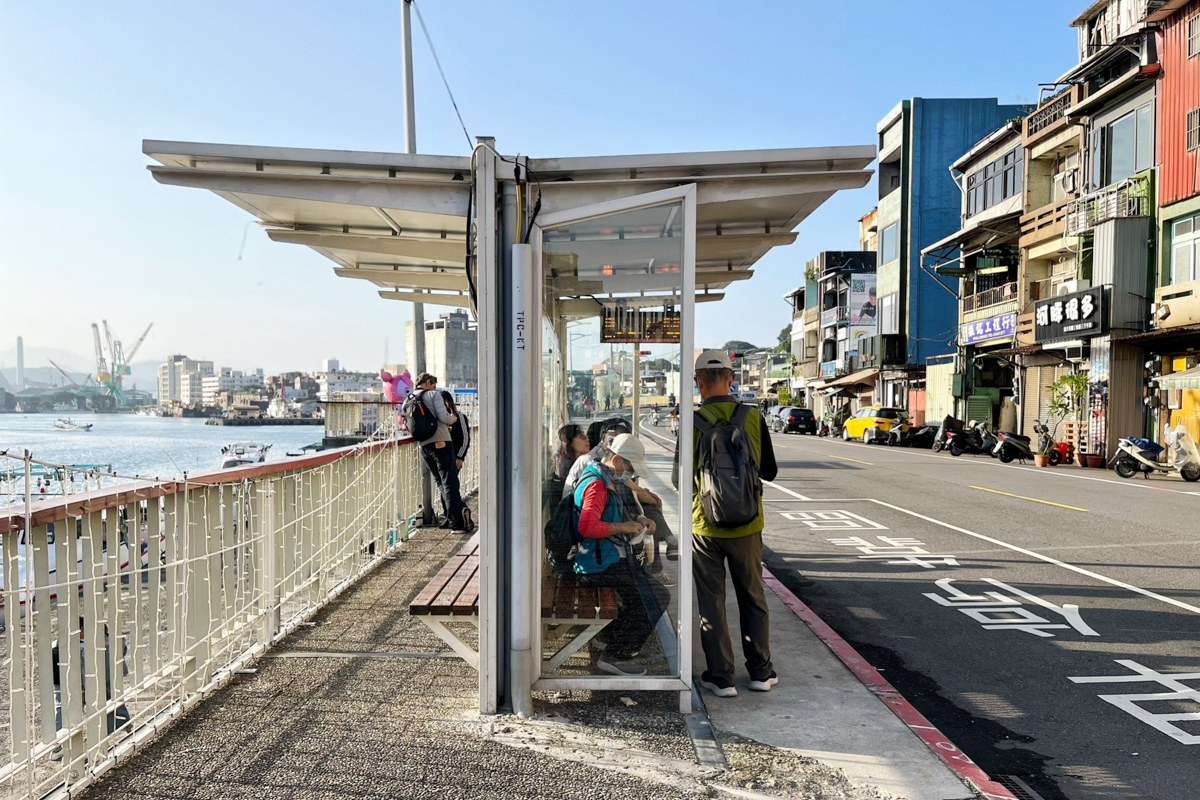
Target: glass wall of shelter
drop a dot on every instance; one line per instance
(617, 285)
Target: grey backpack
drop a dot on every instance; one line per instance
(730, 486)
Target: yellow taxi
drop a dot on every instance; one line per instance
(874, 422)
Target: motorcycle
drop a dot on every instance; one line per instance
(1013, 446)
(674, 424)
(829, 427)
(655, 418)
(1135, 455)
(949, 424)
(913, 437)
(976, 439)
(1059, 452)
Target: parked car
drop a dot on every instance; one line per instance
(775, 417)
(799, 420)
(873, 423)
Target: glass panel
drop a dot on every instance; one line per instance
(1121, 151)
(1181, 268)
(888, 250)
(1184, 226)
(1145, 137)
(613, 297)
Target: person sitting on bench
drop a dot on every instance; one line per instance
(610, 529)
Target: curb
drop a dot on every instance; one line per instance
(938, 742)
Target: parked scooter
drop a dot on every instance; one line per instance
(913, 437)
(976, 439)
(1135, 455)
(1013, 445)
(1060, 452)
(948, 426)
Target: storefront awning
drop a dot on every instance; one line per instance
(855, 378)
(1187, 379)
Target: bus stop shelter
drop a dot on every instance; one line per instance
(583, 275)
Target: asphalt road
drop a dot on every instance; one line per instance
(992, 596)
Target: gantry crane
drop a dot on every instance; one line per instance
(110, 380)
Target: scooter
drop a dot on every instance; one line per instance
(675, 424)
(1135, 455)
(976, 439)
(655, 418)
(1013, 446)
(949, 425)
(1059, 452)
(913, 437)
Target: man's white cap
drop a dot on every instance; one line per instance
(713, 359)
(630, 448)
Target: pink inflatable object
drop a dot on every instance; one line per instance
(396, 387)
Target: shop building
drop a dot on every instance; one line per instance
(1173, 341)
(919, 205)
(806, 315)
(983, 256)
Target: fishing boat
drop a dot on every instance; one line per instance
(68, 424)
(239, 454)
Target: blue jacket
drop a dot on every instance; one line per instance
(593, 556)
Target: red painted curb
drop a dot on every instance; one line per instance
(937, 741)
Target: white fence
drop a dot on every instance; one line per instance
(145, 598)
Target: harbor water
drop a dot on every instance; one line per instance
(155, 447)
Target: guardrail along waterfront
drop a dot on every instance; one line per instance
(128, 605)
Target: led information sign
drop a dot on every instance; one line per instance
(623, 325)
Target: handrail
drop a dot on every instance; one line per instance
(12, 519)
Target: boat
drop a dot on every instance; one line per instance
(239, 454)
(68, 424)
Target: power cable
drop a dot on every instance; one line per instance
(441, 72)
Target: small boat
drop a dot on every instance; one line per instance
(239, 454)
(68, 424)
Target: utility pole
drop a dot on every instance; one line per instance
(418, 312)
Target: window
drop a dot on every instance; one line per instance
(1185, 251)
(1123, 147)
(998, 181)
(1193, 34)
(889, 249)
(889, 314)
(1193, 129)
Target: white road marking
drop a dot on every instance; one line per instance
(786, 490)
(1180, 692)
(1047, 559)
(832, 520)
(980, 607)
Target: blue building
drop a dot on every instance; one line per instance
(919, 204)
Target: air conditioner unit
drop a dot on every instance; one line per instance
(1071, 287)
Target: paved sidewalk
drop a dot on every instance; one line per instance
(822, 711)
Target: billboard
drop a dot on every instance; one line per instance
(862, 301)
(1002, 326)
(1071, 316)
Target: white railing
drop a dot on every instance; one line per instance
(1129, 198)
(145, 598)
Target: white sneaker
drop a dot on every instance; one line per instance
(765, 684)
(719, 690)
(623, 668)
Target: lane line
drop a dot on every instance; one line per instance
(1031, 499)
(1016, 548)
(855, 460)
(947, 751)
(786, 490)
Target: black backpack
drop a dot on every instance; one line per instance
(419, 420)
(560, 535)
(730, 486)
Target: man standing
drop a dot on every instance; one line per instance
(713, 545)
(438, 453)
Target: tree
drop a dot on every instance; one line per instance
(738, 346)
(785, 339)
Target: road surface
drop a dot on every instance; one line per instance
(1047, 620)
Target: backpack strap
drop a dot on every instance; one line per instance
(739, 415)
(701, 423)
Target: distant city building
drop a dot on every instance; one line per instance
(331, 365)
(450, 349)
(332, 382)
(227, 380)
(170, 379)
(191, 388)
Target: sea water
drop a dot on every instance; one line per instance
(154, 447)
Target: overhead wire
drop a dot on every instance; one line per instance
(437, 62)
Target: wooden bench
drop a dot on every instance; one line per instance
(453, 596)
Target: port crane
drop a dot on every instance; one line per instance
(111, 369)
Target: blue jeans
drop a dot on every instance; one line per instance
(440, 461)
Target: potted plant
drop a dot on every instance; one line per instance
(1042, 457)
(1068, 394)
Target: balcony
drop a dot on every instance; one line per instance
(986, 300)
(1045, 223)
(1130, 198)
(838, 315)
(1119, 19)
(1051, 115)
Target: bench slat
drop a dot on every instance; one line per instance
(564, 600)
(421, 603)
(467, 603)
(454, 587)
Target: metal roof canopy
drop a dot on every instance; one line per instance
(399, 220)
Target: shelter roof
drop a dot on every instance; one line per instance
(399, 220)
